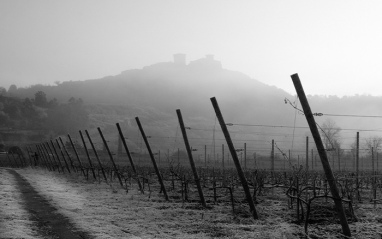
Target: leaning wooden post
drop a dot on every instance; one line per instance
(63, 156)
(96, 155)
(192, 163)
(322, 153)
(67, 153)
(111, 156)
(152, 158)
(51, 152)
(41, 156)
(10, 162)
(87, 154)
(307, 154)
(76, 153)
(29, 156)
(307, 159)
(13, 157)
(123, 140)
(235, 158)
(48, 158)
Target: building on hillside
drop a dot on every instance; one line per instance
(206, 63)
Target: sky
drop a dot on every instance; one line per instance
(334, 46)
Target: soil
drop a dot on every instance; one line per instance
(50, 223)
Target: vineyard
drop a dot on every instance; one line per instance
(230, 175)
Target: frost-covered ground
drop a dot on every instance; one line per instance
(14, 219)
(108, 211)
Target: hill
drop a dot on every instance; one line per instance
(156, 91)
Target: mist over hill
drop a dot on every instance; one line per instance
(156, 91)
(171, 85)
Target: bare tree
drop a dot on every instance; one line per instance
(330, 135)
(373, 142)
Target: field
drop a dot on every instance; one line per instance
(107, 210)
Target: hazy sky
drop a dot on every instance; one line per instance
(335, 46)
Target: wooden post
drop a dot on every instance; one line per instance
(87, 154)
(245, 156)
(235, 158)
(168, 156)
(152, 159)
(377, 160)
(76, 153)
(96, 155)
(55, 153)
(9, 158)
(324, 158)
(339, 159)
(372, 160)
(307, 155)
(49, 156)
(42, 157)
(205, 156)
(119, 149)
(312, 161)
(273, 157)
(67, 153)
(298, 161)
(111, 156)
(192, 163)
(178, 157)
(63, 156)
(45, 152)
(122, 138)
(357, 159)
(374, 177)
(223, 156)
(29, 156)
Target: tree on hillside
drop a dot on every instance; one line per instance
(3, 91)
(12, 90)
(68, 118)
(40, 99)
(12, 110)
(4, 118)
(53, 103)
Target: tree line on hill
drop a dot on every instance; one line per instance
(41, 114)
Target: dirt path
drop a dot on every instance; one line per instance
(50, 223)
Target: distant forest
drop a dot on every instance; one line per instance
(40, 114)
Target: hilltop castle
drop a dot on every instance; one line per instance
(208, 63)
